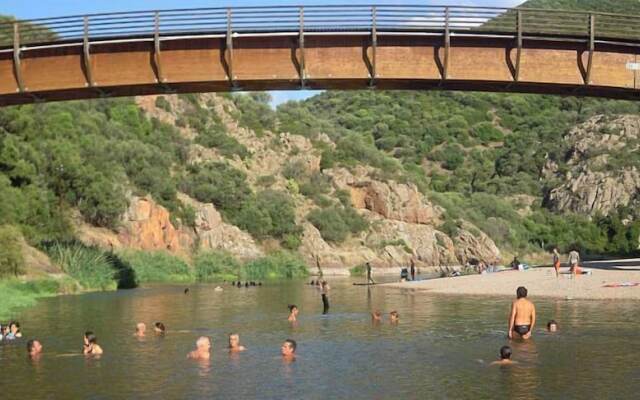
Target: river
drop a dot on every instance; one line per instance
(440, 349)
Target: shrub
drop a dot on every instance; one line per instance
(11, 256)
(216, 137)
(335, 223)
(276, 265)
(212, 265)
(88, 265)
(162, 103)
(358, 270)
(157, 266)
(217, 183)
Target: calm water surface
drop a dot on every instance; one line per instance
(440, 349)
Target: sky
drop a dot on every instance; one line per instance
(29, 9)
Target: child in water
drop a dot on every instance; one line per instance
(505, 357)
(293, 313)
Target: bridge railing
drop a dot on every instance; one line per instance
(285, 20)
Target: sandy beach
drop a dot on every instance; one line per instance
(541, 282)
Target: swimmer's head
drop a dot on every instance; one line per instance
(14, 327)
(505, 353)
(521, 292)
(377, 315)
(203, 343)
(394, 315)
(293, 309)
(90, 337)
(552, 326)
(159, 327)
(288, 347)
(34, 347)
(141, 327)
(234, 340)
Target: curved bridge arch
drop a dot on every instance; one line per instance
(320, 47)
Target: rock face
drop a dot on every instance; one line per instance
(594, 182)
(403, 221)
(391, 200)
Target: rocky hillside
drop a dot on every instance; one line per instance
(601, 172)
(401, 222)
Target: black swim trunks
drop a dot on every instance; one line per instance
(522, 329)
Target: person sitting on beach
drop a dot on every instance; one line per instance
(288, 350)
(552, 326)
(505, 357)
(203, 349)
(234, 343)
(293, 313)
(376, 316)
(34, 348)
(523, 315)
(90, 346)
(159, 328)
(395, 317)
(141, 328)
(515, 263)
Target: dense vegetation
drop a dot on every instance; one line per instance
(475, 154)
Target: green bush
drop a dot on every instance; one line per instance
(215, 266)
(358, 270)
(11, 256)
(88, 265)
(157, 266)
(336, 223)
(216, 137)
(276, 265)
(163, 103)
(217, 183)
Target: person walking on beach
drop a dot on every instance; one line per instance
(523, 315)
(413, 270)
(369, 279)
(574, 259)
(556, 261)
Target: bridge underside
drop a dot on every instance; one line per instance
(327, 61)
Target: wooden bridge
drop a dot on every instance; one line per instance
(320, 47)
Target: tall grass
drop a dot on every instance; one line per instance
(15, 294)
(275, 265)
(157, 266)
(88, 265)
(215, 266)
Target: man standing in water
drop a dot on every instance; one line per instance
(523, 315)
(369, 279)
(324, 292)
(574, 259)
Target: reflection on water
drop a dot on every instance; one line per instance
(441, 348)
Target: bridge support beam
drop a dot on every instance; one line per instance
(592, 47)
(301, 66)
(373, 75)
(17, 67)
(447, 44)
(228, 51)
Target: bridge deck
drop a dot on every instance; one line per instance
(334, 47)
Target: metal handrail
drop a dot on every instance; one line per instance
(391, 18)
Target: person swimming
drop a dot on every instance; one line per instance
(523, 315)
(14, 331)
(141, 328)
(376, 316)
(288, 350)
(293, 313)
(324, 293)
(34, 348)
(90, 345)
(159, 328)
(186, 290)
(203, 349)
(552, 326)
(395, 317)
(505, 356)
(234, 343)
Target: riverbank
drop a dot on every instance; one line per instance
(541, 282)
